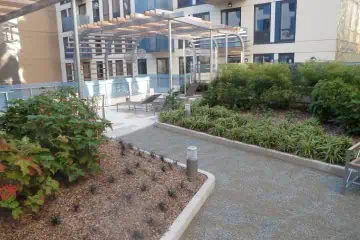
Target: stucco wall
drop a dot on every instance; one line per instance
(33, 56)
(348, 31)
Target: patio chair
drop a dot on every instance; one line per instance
(148, 101)
(352, 168)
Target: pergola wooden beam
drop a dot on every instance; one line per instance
(28, 7)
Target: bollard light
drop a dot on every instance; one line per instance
(187, 109)
(191, 161)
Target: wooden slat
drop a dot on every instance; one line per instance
(15, 3)
(32, 7)
(6, 9)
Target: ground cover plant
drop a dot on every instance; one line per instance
(328, 91)
(111, 204)
(45, 141)
(305, 138)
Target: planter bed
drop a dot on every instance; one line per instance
(134, 197)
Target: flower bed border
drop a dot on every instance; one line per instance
(181, 223)
(305, 162)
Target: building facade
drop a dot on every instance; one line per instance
(278, 31)
(29, 50)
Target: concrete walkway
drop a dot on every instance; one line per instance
(126, 121)
(260, 198)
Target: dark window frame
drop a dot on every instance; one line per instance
(264, 54)
(227, 15)
(280, 23)
(100, 70)
(87, 77)
(259, 5)
(143, 60)
(199, 15)
(167, 65)
(117, 70)
(111, 70)
(293, 57)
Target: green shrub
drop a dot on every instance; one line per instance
(305, 139)
(25, 172)
(338, 101)
(278, 98)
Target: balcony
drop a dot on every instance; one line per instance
(67, 22)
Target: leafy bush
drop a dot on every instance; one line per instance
(305, 139)
(245, 86)
(25, 172)
(337, 100)
(54, 135)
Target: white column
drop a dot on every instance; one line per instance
(101, 10)
(89, 11)
(121, 8)
(276, 58)
(132, 6)
(226, 49)
(110, 9)
(272, 29)
(184, 60)
(211, 55)
(170, 56)
(76, 48)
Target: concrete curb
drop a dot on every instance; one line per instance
(181, 223)
(305, 162)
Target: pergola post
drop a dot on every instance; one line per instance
(76, 48)
(106, 59)
(211, 55)
(226, 49)
(170, 56)
(184, 59)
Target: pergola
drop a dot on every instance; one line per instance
(174, 25)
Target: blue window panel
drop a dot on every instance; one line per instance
(264, 58)
(184, 3)
(158, 43)
(200, 2)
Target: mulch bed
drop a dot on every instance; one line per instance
(129, 199)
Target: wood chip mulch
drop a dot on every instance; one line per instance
(122, 202)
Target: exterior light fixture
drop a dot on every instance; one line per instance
(230, 4)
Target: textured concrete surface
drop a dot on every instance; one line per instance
(125, 121)
(260, 198)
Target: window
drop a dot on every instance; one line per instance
(116, 8)
(96, 11)
(162, 65)
(204, 16)
(67, 51)
(263, 58)
(99, 70)
(204, 62)
(262, 23)
(198, 2)
(98, 49)
(105, 4)
(87, 71)
(184, 3)
(127, 7)
(118, 47)
(129, 69)
(119, 67)
(82, 9)
(142, 66)
(285, 21)
(69, 73)
(145, 5)
(189, 62)
(128, 45)
(233, 59)
(64, 2)
(286, 57)
(231, 17)
(111, 73)
(180, 44)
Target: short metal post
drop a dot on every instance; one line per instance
(191, 162)
(187, 109)
(103, 106)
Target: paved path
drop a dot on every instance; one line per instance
(260, 198)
